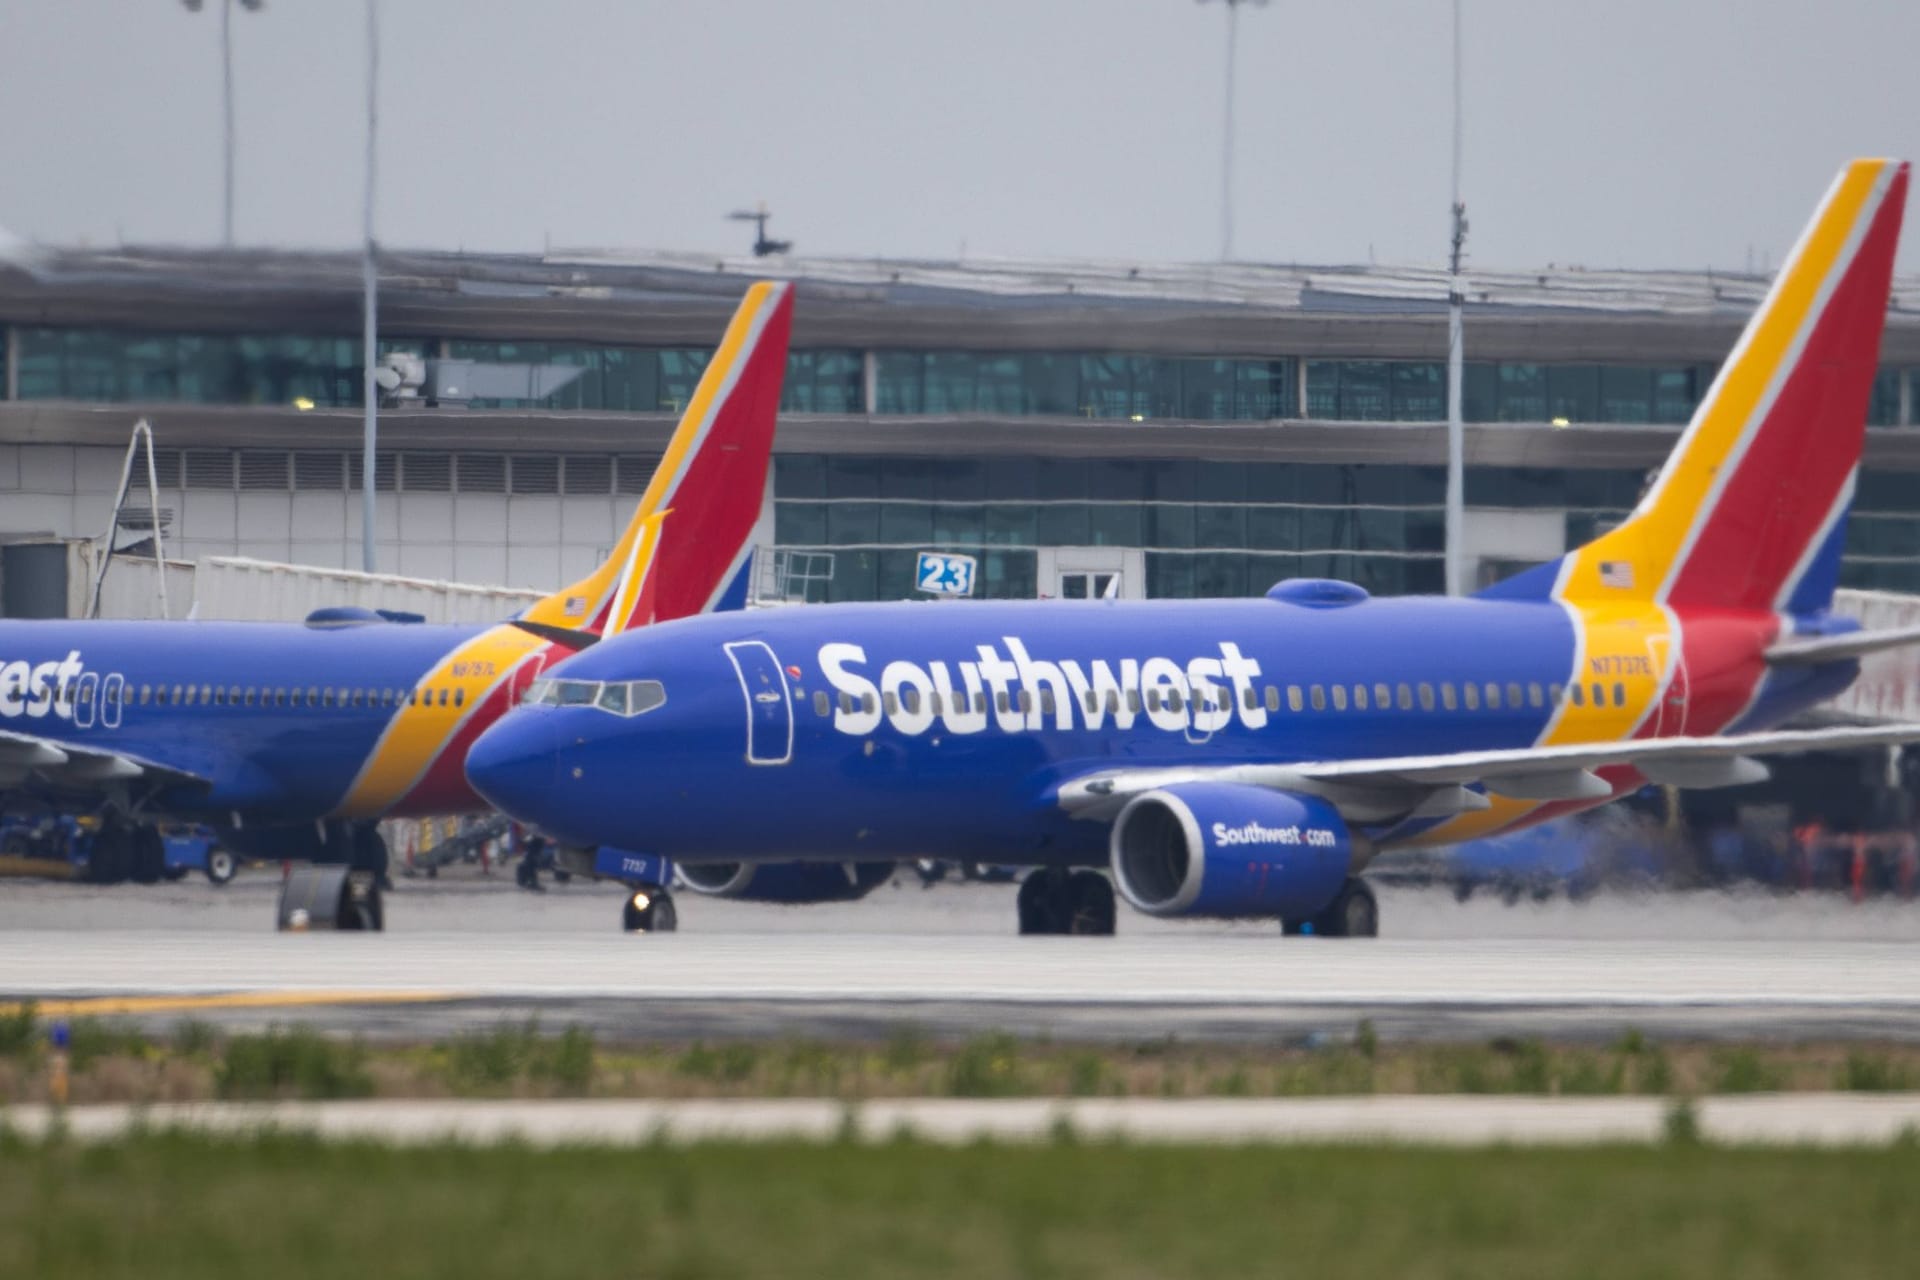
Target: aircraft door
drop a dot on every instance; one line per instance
(112, 690)
(769, 702)
(85, 690)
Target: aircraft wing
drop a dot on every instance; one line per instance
(68, 764)
(1377, 789)
(1809, 650)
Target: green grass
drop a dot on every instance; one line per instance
(164, 1205)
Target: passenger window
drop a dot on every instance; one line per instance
(1619, 695)
(891, 701)
(1513, 693)
(910, 699)
(176, 694)
(821, 704)
(1293, 697)
(1318, 696)
(313, 696)
(460, 696)
(1493, 696)
(1026, 701)
(326, 698)
(1403, 696)
(1471, 693)
(1447, 698)
(145, 692)
(1578, 695)
(1273, 697)
(219, 697)
(1001, 703)
(1176, 701)
(249, 695)
(1249, 699)
(1092, 702)
(444, 691)
(1339, 697)
(1426, 696)
(1048, 706)
(1555, 693)
(1153, 699)
(1535, 697)
(1599, 694)
(233, 695)
(1133, 701)
(1113, 703)
(206, 694)
(1359, 697)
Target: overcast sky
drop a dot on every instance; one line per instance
(1682, 133)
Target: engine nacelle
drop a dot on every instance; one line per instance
(1226, 849)
(793, 883)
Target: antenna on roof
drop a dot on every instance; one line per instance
(758, 217)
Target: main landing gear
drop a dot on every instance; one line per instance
(1055, 900)
(648, 909)
(1353, 913)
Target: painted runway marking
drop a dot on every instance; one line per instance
(98, 1006)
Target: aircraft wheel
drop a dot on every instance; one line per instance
(148, 854)
(221, 865)
(1353, 913)
(649, 909)
(107, 862)
(1090, 906)
(1039, 901)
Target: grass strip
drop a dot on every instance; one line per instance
(163, 1205)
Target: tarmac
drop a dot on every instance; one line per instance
(467, 951)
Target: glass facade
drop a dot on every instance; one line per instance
(119, 365)
(116, 365)
(1086, 385)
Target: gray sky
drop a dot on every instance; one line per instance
(1629, 133)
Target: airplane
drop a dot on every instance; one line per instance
(1247, 758)
(294, 739)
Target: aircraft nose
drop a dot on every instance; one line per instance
(515, 764)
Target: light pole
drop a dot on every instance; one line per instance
(1226, 137)
(226, 97)
(1456, 298)
(370, 288)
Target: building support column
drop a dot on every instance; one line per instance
(13, 362)
(870, 381)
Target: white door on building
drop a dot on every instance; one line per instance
(1092, 573)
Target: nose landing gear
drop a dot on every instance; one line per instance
(649, 909)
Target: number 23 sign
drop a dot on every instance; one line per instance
(944, 575)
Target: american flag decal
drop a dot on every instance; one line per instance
(576, 604)
(1616, 573)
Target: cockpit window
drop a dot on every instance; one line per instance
(620, 697)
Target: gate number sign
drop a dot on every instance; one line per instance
(944, 575)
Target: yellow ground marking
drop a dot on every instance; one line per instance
(98, 1006)
(1653, 537)
(12, 864)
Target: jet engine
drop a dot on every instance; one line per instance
(792, 883)
(1229, 850)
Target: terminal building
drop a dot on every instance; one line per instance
(1160, 431)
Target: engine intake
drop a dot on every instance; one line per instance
(1229, 850)
(792, 883)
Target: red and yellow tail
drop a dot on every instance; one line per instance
(688, 547)
(1749, 511)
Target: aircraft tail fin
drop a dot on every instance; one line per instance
(1749, 511)
(689, 546)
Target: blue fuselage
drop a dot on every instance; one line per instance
(945, 730)
(270, 721)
